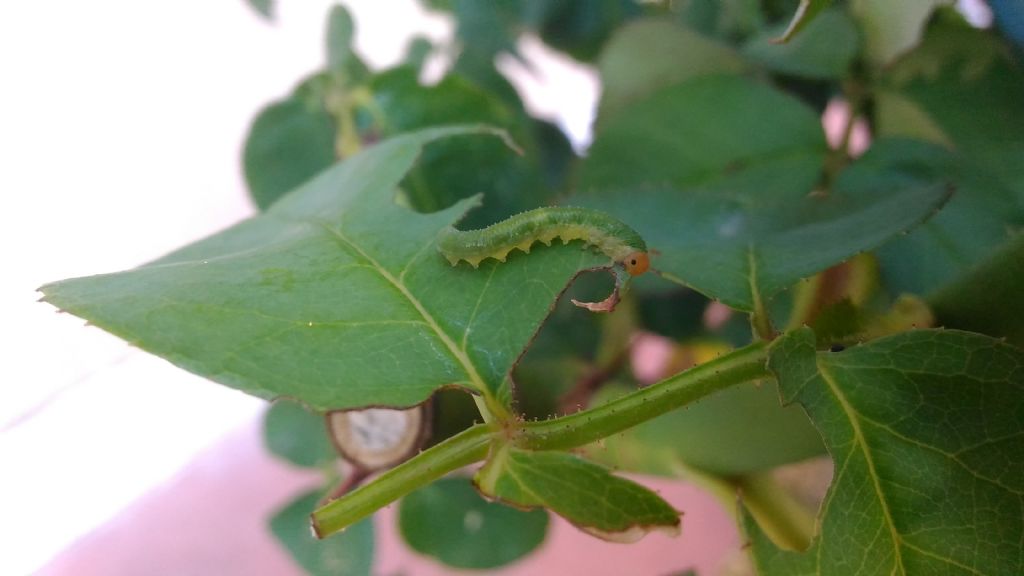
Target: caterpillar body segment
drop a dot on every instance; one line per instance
(612, 237)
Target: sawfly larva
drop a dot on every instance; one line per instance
(618, 241)
(615, 239)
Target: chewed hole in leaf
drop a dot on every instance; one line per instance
(587, 289)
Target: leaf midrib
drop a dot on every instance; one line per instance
(752, 281)
(625, 513)
(460, 357)
(861, 441)
(856, 414)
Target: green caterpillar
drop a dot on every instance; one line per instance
(620, 242)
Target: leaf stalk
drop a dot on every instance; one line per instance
(574, 430)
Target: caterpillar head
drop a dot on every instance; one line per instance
(636, 263)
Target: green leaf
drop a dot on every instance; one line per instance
(556, 156)
(728, 20)
(925, 429)
(297, 435)
(292, 140)
(650, 54)
(289, 142)
(737, 431)
(824, 50)
(712, 131)
(960, 88)
(805, 14)
(701, 15)
(988, 297)
(341, 58)
(725, 167)
(448, 520)
(583, 493)
(264, 8)
(576, 27)
(340, 33)
(1009, 18)
(416, 54)
(347, 554)
(892, 28)
(336, 296)
(485, 30)
(581, 27)
(513, 183)
(898, 115)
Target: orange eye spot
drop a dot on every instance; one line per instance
(637, 263)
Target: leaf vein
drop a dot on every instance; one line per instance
(860, 441)
(459, 356)
(476, 308)
(945, 559)
(939, 451)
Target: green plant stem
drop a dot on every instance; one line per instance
(759, 320)
(788, 523)
(338, 103)
(627, 411)
(760, 323)
(490, 409)
(805, 299)
(559, 433)
(460, 450)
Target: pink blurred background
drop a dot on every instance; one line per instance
(211, 519)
